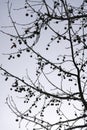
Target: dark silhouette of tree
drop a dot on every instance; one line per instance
(55, 38)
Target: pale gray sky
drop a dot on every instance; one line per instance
(7, 118)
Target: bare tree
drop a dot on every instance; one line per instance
(55, 38)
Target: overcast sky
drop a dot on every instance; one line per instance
(7, 118)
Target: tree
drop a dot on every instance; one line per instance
(55, 38)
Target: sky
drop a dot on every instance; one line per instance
(7, 120)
